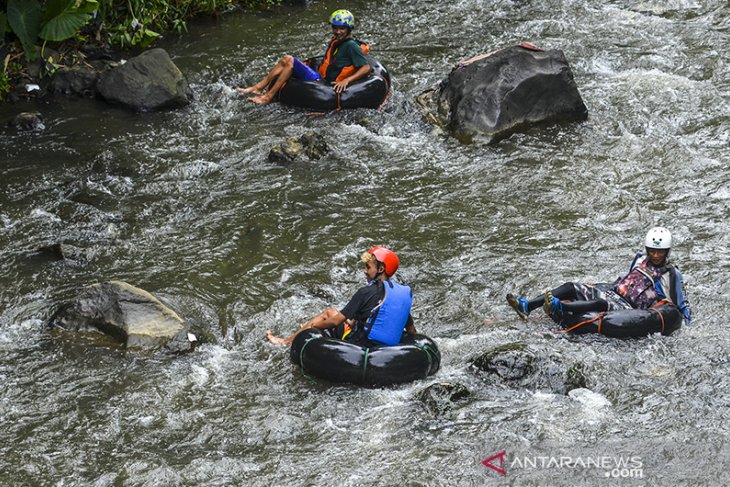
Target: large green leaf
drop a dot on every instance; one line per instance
(24, 17)
(3, 23)
(87, 6)
(63, 26)
(64, 18)
(54, 8)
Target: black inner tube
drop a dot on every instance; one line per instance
(416, 357)
(368, 92)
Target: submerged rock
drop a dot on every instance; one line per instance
(504, 92)
(310, 146)
(150, 81)
(131, 315)
(62, 251)
(517, 365)
(27, 122)
(441, 396)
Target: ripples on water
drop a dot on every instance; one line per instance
(186, 205)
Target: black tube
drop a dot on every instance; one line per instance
(416, 357)
(368, 92)
(626, 323)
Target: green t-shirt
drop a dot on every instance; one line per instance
(346, 54)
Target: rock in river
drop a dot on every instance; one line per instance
(503, 92)
(150, 81)
(518, 365)
(440, 397)
(131, 315)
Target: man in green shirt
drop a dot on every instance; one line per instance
(343, 63)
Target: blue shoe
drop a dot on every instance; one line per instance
(553, 307)
(519, 304)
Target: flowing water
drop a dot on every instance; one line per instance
(186, 205)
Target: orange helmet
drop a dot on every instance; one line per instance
(387, 257)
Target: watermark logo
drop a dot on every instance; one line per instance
(499, 456)
(609, 466)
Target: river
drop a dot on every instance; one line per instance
(186, 205)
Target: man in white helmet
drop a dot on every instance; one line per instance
(651, 278)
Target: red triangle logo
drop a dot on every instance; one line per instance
(498, 469)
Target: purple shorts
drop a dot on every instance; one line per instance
(302, 71)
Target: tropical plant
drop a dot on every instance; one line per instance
(4, 85)
(126, 22)
(56, 20)
(63, 18)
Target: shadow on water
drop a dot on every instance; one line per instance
(186, 205)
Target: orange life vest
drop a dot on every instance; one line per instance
(331, 51)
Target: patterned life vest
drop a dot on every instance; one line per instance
(332, 52)
(638, 287)
(388, 319)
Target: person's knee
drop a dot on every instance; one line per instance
(287, 61)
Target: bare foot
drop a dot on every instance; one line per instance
(250, 90)
(261, 100)
(274, 339)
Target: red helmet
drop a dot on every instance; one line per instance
(387, 257)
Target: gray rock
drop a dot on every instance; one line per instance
(131, 315)
(75, 80)
(440, 397)
(315, 147)
(310, 146)
(28, 122)
(517, 365)
(150, 81)
(510, 90)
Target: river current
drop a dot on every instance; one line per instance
(186, 205)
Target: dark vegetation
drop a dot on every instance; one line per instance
(50, 32)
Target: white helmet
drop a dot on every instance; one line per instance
(658, 238)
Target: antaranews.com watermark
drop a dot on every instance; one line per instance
(611, 466)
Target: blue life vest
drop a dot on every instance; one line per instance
(388, 319)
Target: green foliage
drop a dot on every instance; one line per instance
(137, 22)
(63, 18)
(127, 22)
(59, 20)
(4, 85)
(24, 17)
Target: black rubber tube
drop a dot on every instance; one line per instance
(416, 357)
(368, 92)
(664, 319)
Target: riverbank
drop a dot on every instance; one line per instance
(90, 35)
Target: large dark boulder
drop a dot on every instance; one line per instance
(505, 92)
(518, 365)
(131, 315)
(150, 81)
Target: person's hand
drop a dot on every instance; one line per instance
(340, 86)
